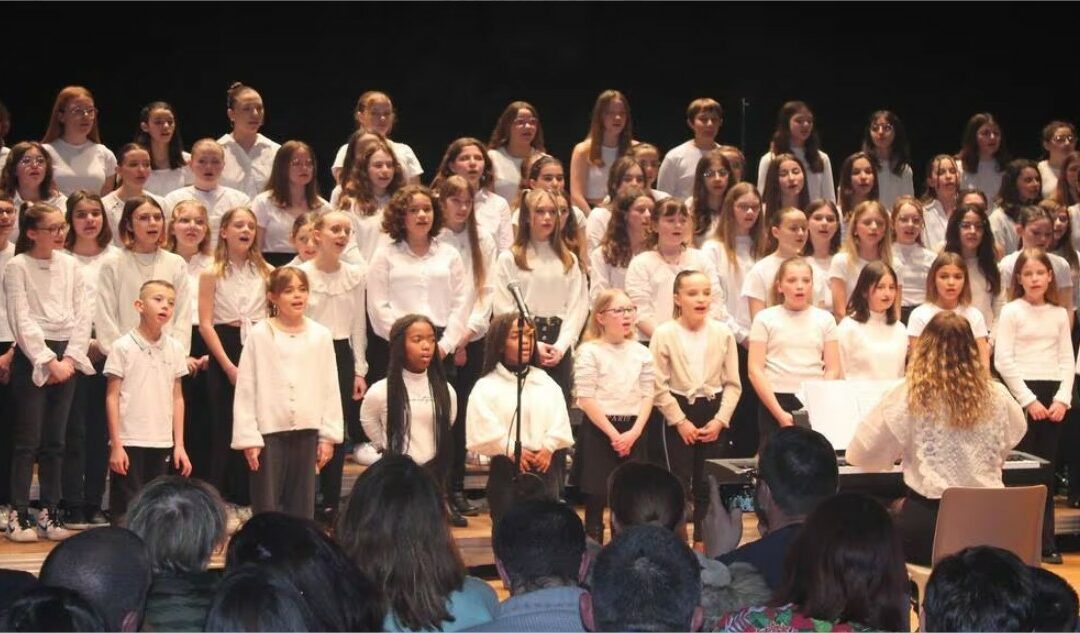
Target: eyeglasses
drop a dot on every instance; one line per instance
(301, 163)
(5, 210)
(531, 122)
(622, 311)
(80, 111)
(56, 229)
(716, 173)
(990, 133)
(1062, 139)
(746, 208)
(881, 127)
(32, 161)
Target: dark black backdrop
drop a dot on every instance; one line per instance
(451, 67)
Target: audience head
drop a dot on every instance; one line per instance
(52, 609)
(539, 544)
(1056, 604)
(339, 596)
(395, 528)
(796, 470)
(642, 493)
(979, 589)
(181, 520)
(110, 567)
(646, 579)
(255, 598)
(847, 565)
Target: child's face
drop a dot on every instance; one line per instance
(672, 229)
(1034, 277)
(160, 125)
(469, 164)
(301, 168)
(649, 161)
(882, 133)
(420, 345)
(944, 178)
(292, 300)
(239, 232)
(747, 211)
(78, 116)
(632, 177)
(791, 232)
(1061, 143)
(973, 198)
(135, 168)
(189, 227)
(870, 228)
(801, 125)
(639, 215)
(617, 320)
(706, 124)
(883, 295)
(971, 231)
(908, 224)
(456, 209)
(380, 171)
(49, 232)
(1029, 185)
(31, 169)
(615, 116)
(7, 220)
(87, 219)
(792, 179)
(736, 165)
(1072, 175)
(796, 285)
(1061, 223)
(207, 165)
(862, 177)
(513, 339)
(949, 280)
(1038, 234)
(334, 234)
(543, 219)
(148, 226)
(248, 113)
(716, 178)
(378, 116)
(988, 139)
(550, 178)
(694, 298)
(524, 126)
(418, 217)
(156, 305)
(304, 242)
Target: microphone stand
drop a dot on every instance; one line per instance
(522, 370)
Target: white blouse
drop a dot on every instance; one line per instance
(988, 304)
(240, 296)
(987, 178)
(217, 201)
(248, 170)
(337, 300)
(618, 376)
(794, 344)
(934, 224)
(650, 284)
(420, 443)
(114, 208)
(493, 217)
(1034, 343)
(6, 254)
(195, 267)
(818, 185)
(915, 262)
(479, 298)
(47, 301)
(507, 170)
(548, 289)
(85, 166)
(368, 235)
(162, 182)
(121, 277)
(1004, 230)
(490, 425)
(732, 276)
(410, 164)
(596, 185)
(434, 284)
(1049, 176)
(276, 223)
(921, 315)
(875, 350)
(603, 275)
(891, 186)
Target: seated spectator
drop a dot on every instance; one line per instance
(258, 598)
(182, 522)
(979, 589)
(796, 470)
(395, 528)
(337, 594)
(641, 493)
(539, 551)
(845, 572)
(51, 609)
(110, 567)
(1056, 603)
(646, 579)
(12, 584)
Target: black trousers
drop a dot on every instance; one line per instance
(744, 422)
(905, 313)
(598, 460)
(7, 404)
(506, 486)
(331, 474)
(1042, 439)
(198, 421)
(86, 445)
(917, 523)
(463, 380)
(144, 465)
(228, 468)
(40, 426)
(688, 462)
(767, 424)
(285, 481)
(1069, 448)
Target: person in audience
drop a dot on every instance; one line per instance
(845, 572)
(339, 596)
(13, 583)
(646, 579)
(539, 548)
(51, 609)
(643, 493)
(254, 598)
(979, 589)
(395, 528)
(110, 567)
(1056, 603)
(948, 421)
(797, 470)
(182, 522)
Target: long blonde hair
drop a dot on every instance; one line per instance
(851, 241)
(593, 331)
(254, 255)
(945, 375)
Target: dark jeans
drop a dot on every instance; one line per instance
(228, 469)
(86, 447)
(463, 380)
(1041, 440)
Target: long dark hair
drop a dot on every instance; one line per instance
(847, 565)
(771, 195)
(858, 307)
(496, 340)
(984, 254)
(1009, 194)
(176, 143)
(781, 138)
(700, 211)
(398, 415)
(900, 151)
(969, 144)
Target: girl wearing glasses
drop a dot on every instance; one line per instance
(72, 139)
(517, 136)
(795, 134)
(914, 258)
(250, 154)
(375, 114)
(968, 235)
(712, 177)
(133, 172)
(50, 317)
(28, 177)
(168, 160)
(869, 240)
(1059, 140)
(1021, 186)
(293, 190)
(982, 157)
(886, 140)
(613, 380)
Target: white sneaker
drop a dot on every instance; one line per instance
(20, 529)
(235, 517)
(365, 454)
(51, 526)
(5, 510)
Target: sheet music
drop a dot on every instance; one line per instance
(836, 407)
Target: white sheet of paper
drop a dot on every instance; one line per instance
(836, 407)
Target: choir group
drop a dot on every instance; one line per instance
(210, 313)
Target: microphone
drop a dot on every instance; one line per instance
(515, 290)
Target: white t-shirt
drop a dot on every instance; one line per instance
(248, 170)
(617, 376)
(276, 223)
(874, 350)
(1004, 230)
(987, 178)
(915, 262)
(818, 184)
(507, 170)
(794, 344)
(891, 186)
(922, 315)
(676, 174)
(217, 202)
(1049, 176)
(596, 185)
(164, 181)
(410, 164)
(85, 166)
(148, 371)
(843, 268)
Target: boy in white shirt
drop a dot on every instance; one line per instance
(143, 401)
(704, 117)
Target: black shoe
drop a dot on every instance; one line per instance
(460, 502)
(456, 519)
(325, 517)
(95, 517)
(75, 518)
(1052, 558)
